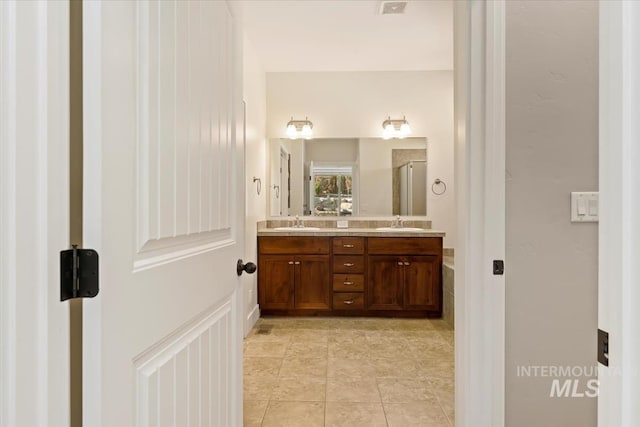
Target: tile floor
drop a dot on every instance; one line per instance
(356, 372)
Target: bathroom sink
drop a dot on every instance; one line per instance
(399, 229)
(297, 229)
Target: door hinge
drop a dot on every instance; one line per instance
(78, 273)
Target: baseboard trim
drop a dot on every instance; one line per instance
(252, 318)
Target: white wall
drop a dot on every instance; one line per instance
(354, 104)
(551, 150)
(255, 165)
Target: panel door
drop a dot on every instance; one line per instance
(384, 289)
(164, 207)
(422, 283)
(313, 282)
(276, 278)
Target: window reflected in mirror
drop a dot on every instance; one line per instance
(331, 188)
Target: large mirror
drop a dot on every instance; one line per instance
(348, 177)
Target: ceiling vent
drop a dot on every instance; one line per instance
(392, 7)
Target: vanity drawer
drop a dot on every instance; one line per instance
(348, 264)
(293, 245)
(348, 301)
(405, 245)
(348, 282)
(348, 245)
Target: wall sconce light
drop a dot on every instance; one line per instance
(395, 128)
(299, 128)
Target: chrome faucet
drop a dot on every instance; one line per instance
(298, 222)
(397, 222)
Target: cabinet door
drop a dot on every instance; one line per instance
(422, 282)
(384, 289)
(276, 275)
(313, 282)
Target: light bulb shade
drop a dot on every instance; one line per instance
(395, 128)
(299, 129)
(388, 131)
(306, 131)
(291, 131)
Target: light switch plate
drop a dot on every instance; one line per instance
(584, 206)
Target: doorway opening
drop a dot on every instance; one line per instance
(367, 131)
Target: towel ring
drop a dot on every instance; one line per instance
(438, 181)
(258, 185)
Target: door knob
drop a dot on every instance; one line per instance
(248, 267)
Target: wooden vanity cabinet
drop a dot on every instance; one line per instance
(276, 278)
(294, 273)
(422, 283)
(405, 274)
(385, 288)
(381, 276)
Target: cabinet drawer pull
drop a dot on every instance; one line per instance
(290, 262)
(400, 263)
(297, 262)
(348, 246)
(348, 283)
(348, 264)
(348, 301)
(407, 263)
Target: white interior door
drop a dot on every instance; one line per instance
(34, 212)
(164, 208)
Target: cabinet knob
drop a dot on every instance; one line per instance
(400, 263)
(290, 262)
(407, 263)
(348, 301)
(348, 264)
(297, 263)
(348, 246)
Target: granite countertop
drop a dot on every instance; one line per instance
(362, 232)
